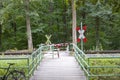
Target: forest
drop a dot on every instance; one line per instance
(54, 17)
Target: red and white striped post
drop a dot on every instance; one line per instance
(81, 37)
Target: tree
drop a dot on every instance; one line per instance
(55, 17)
(29, 34)
(99, 13)
(0, 27)
(74, 21)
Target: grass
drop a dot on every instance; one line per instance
(19, 64)
(102, 70)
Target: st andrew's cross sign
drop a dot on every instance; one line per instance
(81, 32)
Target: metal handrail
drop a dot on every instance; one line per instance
(85, 63)
(31, 61)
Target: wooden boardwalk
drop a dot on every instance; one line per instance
(63, 68)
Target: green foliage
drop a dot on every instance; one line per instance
(109, 69)
(102, 11)
(18, 63)
(54, 17)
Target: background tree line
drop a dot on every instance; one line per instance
(54, 17)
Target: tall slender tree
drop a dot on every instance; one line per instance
(29, 34)
(0, 27)
(0, 35)
(74, 21)
(65, 20)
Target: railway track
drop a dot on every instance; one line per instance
(103, 52)
(26, 52)
(20, 52)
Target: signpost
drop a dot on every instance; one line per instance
(81, 37)
(48, 39)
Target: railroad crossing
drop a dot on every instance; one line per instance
(45, 64)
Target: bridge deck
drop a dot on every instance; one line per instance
(63, 68)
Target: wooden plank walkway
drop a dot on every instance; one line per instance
(63, 68)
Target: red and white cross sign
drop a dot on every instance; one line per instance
(81, 32)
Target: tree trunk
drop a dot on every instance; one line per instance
(97, 33)
(13, 24)
(83, 13)
(74, 22)
(0, 35)
(51, 9)
(1, 6)
(65, 22)
(29, 34)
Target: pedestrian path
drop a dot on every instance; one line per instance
(63, 68)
